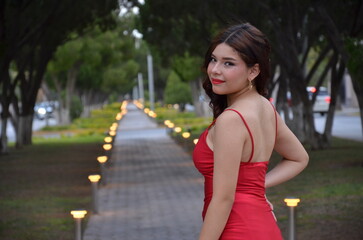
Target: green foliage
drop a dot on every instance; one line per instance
(103, 60)
(187, 67)
(120, 79)
(76, 108)
(176, 91)
(97, 124)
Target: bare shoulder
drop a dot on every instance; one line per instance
(228, 119)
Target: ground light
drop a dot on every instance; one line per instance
(112, 133)
(78, 215)
(123, 105)
(177, 129)
(186, 134)
(107, 146)
(118, 116)
(102, 160)
(108, 139)
(152, 114)
(292, 203)
(195, 141)
(169, 124)
(94, 179)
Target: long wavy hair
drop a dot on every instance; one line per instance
(252, 46)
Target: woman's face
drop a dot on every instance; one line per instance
(226, 70)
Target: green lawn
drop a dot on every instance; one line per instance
(41, 184)
(331, 192)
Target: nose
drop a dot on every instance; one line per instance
(215, 68)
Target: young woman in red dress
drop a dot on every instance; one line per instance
(233, 153)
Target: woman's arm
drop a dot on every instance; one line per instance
(295, 157)
(228, 144)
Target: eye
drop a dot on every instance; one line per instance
(228, 64)
(212, 59)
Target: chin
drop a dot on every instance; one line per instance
(219, 91)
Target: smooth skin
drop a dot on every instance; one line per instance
(231, 142)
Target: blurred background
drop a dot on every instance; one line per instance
(61, 60)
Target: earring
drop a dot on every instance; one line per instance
(250, 85)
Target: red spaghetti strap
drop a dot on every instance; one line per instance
(275, 120)
(210, 125)
(249, 131)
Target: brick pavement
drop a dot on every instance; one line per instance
(153, 190)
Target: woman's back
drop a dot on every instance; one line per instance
(251, 215)
(261, 127)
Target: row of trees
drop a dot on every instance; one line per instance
(92, 67)
(55, 43)
(80, 49)
(314, 42)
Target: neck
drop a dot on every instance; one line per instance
(232, 98)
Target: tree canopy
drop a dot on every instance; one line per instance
(30, 32)
(296, 29)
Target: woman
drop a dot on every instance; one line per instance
(233, 153)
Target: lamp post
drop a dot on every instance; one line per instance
(78, 215)
(151, 80)
(141, 88)
(102, 160)
(94, 179)
(291, 202)
(186, 135)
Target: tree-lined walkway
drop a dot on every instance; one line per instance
(153, 190)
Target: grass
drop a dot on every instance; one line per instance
(331, 193)
(42, 183)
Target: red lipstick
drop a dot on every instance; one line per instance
(216, 81)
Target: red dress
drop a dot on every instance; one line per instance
(251, 217)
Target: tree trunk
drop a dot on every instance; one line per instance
(5, 99)
(24, 134)
(358, 89)
(4, 137)
(70, 85)
(86, 99)
(58, 87)
(336, 80)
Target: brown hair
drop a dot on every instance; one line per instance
(252, 46)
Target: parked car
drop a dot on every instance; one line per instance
(322, 100)
(43, 110)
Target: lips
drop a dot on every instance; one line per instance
(216, 81)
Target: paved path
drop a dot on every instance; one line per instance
(153, 190)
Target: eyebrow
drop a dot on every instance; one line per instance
(225, 58)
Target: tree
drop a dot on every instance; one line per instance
(95, 65)
(355, 50)
(188, 68)
(29, 35)
(177, 92)
(295, 28)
